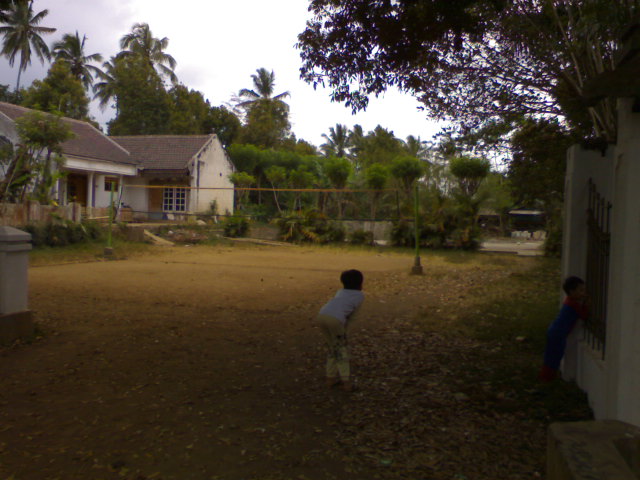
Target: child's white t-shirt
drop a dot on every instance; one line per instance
(343, 304)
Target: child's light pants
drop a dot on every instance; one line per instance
(336, 337)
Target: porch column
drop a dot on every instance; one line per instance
(118, 198)
(15, 317)
(90, 188)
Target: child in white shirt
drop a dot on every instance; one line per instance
(333, 319)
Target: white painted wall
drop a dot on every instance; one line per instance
(136, 198)
(613, 384)
(209, 170)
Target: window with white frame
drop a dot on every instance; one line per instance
(174, 199)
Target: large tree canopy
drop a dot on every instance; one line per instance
(469, 60)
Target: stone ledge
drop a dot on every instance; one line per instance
(596, 450)
(14, 326)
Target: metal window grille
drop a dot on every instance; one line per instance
(597, 279)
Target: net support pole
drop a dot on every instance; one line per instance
(417, 268)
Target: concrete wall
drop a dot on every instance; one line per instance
(613, 384)
(18, 215)
(623, 331)
(210, 170)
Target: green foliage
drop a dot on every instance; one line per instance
(469, 172)
(267, 116)
(267, 124)
(61, 234)
(60, 92)
(553, 242)
(71, 51)
(10, 96)
(407, 170)
(189, 112)
(22, 34)
(361, 237)
(142, 104)
(473, 61)
(224, 123)
(235, 226)
(31, 169)
(378, 146)
(242, 180)
(245, 157)
(536, 172)
(337, 170)
(142, 45)
(309, 226)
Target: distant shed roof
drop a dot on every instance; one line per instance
(163, 152)
(88, 142)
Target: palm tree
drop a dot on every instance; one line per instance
(337, 142)
(264, 83)
(71, 50)
(141, 42)
(22, 33)
(104, 90)
(416, 147)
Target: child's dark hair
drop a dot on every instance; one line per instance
(352, 279)
(571, 283)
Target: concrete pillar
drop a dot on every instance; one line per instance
(15, 317)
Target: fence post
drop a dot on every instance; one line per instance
(15, 317)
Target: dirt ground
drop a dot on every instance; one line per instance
(202, 363)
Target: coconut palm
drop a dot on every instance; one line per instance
(22, 34)
(71, 50)
(337, 142)
(264, 83)
(416, 147)
(142, 42)
(104, 90)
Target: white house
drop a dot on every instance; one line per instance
(602, 244)
(158, 177)
(91, 159)
(179, 174)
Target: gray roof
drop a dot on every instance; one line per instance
(88, 142)
(163, 152)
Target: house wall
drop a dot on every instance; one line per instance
(135, 197)
(612, 384)
(210, 171)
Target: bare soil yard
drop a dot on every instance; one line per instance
(202, 363)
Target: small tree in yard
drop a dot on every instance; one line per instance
(407, 169)
(469, 173)
(242, 180)
(337, 170)
(376, 177)
(31, 167)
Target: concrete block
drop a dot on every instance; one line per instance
(595, 450)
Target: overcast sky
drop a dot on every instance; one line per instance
(218, 45)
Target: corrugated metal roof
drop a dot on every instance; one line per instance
(163, 152)
(88, 142)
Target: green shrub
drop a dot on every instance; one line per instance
(402, 234)
(309, 226)
(235, 226)
(553, 243)
(361, 237)
(58, 234)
